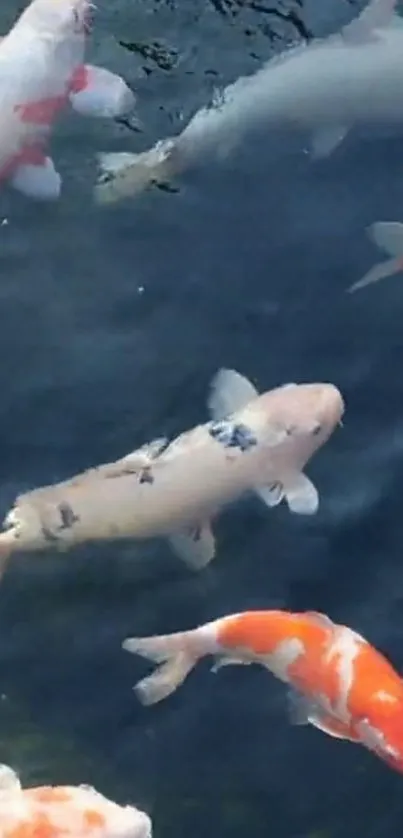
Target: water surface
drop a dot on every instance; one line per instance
(112, 324)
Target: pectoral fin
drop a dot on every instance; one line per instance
(225, 660)
(303, 711)
(196, 547)
(229, 392)
(270, 495)
(326, 140)
(301, 495)
(97, 92)
(38, 179)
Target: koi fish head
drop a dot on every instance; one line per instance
(307, 413)
(59, 18)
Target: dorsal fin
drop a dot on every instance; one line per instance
(8, 780)
(321, 619)
(229, 392)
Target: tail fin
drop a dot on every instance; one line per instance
(171, 652)
(124, 175)
(388, 235)
(379, 271)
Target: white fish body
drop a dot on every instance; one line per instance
(65, 812)
(41, 72)
(324, 88)
(174, 490)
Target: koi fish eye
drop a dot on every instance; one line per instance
(292, 430)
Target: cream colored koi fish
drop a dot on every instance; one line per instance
(338, 682)
(254, 442)
(64, 812)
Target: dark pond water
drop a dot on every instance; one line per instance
(245, 267)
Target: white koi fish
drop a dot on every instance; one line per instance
(64, 812)
(41, 72)
(254, 442)
(323, 89)
(338, 682)
(388, 235)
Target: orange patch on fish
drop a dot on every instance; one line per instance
(375, 681)
(80, 79)
(39, 826)
(262, 631)
(41, 112)
(93, 819)
(48, 794)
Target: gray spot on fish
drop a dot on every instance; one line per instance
(69, 518)
(146, 475)
(233, 435)
(49, 536)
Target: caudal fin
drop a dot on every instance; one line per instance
(387, 235)
(124, 175)
(175, 662)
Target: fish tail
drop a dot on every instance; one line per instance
(379, 271)
(388, 236)
(124, 175)
(175, 655)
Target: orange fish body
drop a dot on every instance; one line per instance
(339, 682)
(359, 693)
(64, 812)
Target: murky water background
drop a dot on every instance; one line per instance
(245, 267)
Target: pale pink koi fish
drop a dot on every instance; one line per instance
(64, 812)
(41, 72)
(253, 443)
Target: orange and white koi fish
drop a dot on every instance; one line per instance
(388, 235)
(339, 683)
(64, 812)
(255, 442)
(41, 72)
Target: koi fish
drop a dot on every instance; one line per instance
(254, 442)
(338, 682)
(41, 72)
(388, 235)
(322, 89)
(64, 812)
